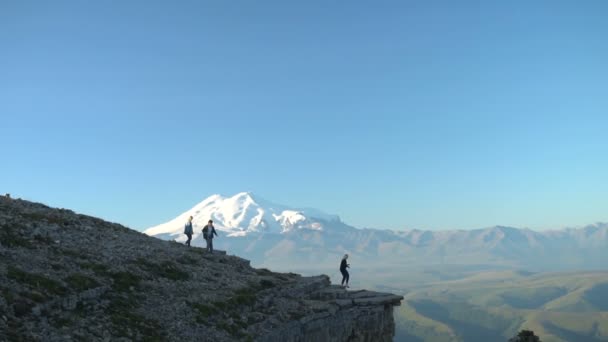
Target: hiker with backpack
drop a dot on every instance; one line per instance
(188, 231)
(208, 232)
(343, 267)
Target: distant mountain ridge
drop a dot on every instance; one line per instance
(272, 234)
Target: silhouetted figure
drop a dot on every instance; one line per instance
(208, 233)
(188, 231)
(343, 267)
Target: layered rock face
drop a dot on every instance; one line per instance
(341, 315)
(70, 277)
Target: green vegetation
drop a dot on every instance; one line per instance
(34, 295)
(98, 269)
(411, 325)
(44, 240)
(36, 281)
(228, 314)
(165, 269)
(234, 329)
(123, 281)
(199, 252)
(46, 217)
(243, 297)
(57, 267)
(80, 282)
(61, 322)
(127, 323)
(188, 260)
(296, 315)
(267, 284)
(263, 272)
(496, 305)
(8, 295)
(72, 253)
(9, 238)
(222, 306)
(80, 310)
(203, 311)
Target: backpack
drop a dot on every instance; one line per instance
(205, 232)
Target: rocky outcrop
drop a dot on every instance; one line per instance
(65, 277)
(341, 315)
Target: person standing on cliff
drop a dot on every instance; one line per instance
(188, 231)
(343, 267)
(208, 232)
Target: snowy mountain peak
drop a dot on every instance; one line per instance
(243, 214)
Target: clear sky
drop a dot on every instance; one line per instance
(398, 114)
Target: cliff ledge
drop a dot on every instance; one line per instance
(71, 277)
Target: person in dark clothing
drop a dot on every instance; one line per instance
(208, 233)
(188, 231)
(343, 267)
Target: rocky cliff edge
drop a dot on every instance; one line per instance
(71, 277)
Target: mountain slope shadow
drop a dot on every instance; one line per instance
(598, 296)
(569, 335)
(466, 331)
(532, 298)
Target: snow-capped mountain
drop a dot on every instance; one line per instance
(284, 237)
(245, 214)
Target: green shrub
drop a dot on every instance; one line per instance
(34, 295)
(188, 260)
(221, 305)
(263, 272)
(165, 269)
(36, 281)
(123, 281)
(80, 282)
(46, 217)
(61, 322)
(244, 296)
(43, 240)
(9, 238)
(232, 329)
(266, 284)
(127, 323)
(8, 295)
(204, 310)
(98, 269)
(72, 253)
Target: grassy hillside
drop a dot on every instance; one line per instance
(493, 306)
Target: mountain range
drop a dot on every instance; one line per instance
(281, 236)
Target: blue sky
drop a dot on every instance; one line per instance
(398, 114)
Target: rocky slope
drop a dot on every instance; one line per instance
(70, 277)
